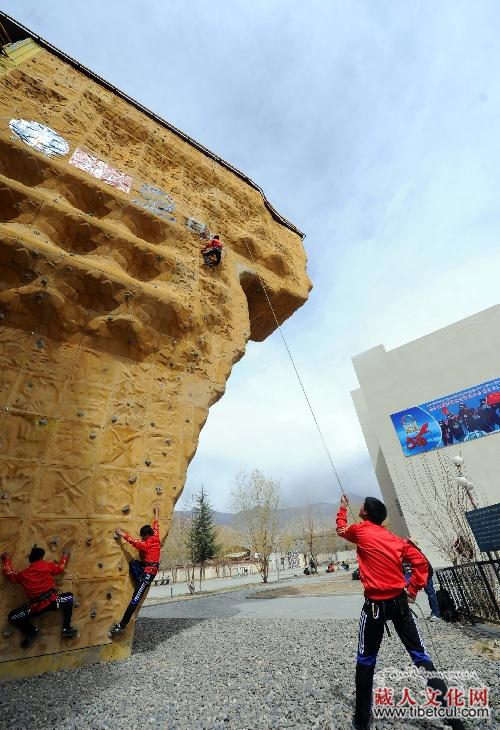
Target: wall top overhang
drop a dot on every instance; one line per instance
(17, 31)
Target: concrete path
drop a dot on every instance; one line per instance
(174, 590)
(343, 602)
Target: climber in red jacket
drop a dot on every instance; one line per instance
(143, 570)
(380, 555)
(212, 252)
(38, 583)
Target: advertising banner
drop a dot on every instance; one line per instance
(452, 419)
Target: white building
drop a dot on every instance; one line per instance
(418, 484)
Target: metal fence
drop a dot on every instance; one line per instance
(474, 588)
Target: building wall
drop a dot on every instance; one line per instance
(114, 338)
(462, 355)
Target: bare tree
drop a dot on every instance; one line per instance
(308, 531)
(255, 500)
(435, 492)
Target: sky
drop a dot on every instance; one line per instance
(373, 126)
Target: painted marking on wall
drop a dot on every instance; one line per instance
(156, 201)
(200, 228)
(101, 170)
(42, 138)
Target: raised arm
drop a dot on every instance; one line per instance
(8, 569)
(56, 568)
(156, 525)
(343, 530)
(138, 544)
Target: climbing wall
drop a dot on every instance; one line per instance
(114, 339)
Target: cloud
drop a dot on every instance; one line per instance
(374, 127)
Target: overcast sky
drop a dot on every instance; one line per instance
(374, 127)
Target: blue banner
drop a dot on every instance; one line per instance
(452, 419)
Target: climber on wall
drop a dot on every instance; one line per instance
(38, 583)
(212, 252)
(143, 570)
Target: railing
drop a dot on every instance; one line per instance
(474, 588)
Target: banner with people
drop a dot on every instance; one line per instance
(452, 419)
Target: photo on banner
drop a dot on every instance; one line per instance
(462, 416)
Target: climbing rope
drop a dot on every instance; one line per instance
(325, 445)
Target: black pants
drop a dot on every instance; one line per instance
(20, 617)
(371, 630)
(207, 255)
(142, 582)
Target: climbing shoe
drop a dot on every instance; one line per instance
(116, 630)
(70, 633)
(27, 642)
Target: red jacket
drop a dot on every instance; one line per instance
(214, 243)
(149, 549)
(36, 579)
(380, 557)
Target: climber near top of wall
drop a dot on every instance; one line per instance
(142, 571)
(38, 583)
(212, 252)
(380, 554)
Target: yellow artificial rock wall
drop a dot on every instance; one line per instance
(114, 338)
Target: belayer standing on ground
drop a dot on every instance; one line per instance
(143, 570)
(38, 583)
(212, 251)
(380, 555)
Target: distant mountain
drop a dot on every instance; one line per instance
(322, 513)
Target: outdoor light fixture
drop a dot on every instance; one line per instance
(457, 460)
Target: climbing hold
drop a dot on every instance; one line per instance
(168, 441)
(147, 462)
(39, 297)
(110, 318)
(159, 489)
(80, 414)
(120, 567)
(29, 385)
(55, 541)
(128, 295)
(7, 634)
(40, 344)
(100, 565)
(113, 419)
(109, 596)
(88, 541)
(132, 480)
(2, 316)
(93, 613)
(92, 435)
(44, 282)
(42, 422)
(4, 497)
(126, 509)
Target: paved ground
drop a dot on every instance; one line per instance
(217, 584)
(248, 602)
(223, 667)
